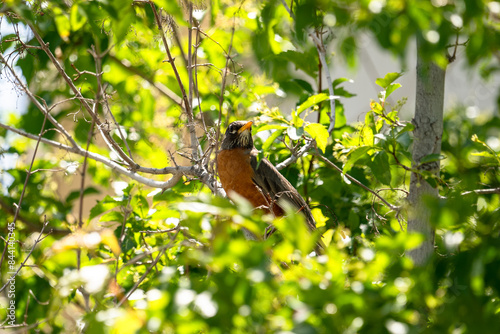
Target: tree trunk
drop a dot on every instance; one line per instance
(428, 122)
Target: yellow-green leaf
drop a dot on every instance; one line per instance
(62, 23)
(78, 18)
(387, 80)
(311, 101)
(271, 139)
(319, 133)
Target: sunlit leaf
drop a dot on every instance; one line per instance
(77, 17)
(272, 138)
(311, 101)
(62, 23)
(355, 155)
(319, 133)
(388, 80)
(391, 88)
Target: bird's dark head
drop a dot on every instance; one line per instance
(238, 135)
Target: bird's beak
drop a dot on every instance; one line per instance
(245, 127)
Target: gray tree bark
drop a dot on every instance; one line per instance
(428, 122)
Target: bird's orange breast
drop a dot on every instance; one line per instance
(236, 172)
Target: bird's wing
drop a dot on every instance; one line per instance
(270, 180)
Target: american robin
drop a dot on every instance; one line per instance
(259, 182)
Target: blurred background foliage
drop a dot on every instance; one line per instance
(177, 261)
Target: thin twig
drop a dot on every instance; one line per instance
(221, 97)
(399, 163)
(322, 57)
(175, 33)
(331, 164)
(104, 132)
(128, 211)
(195, 145)
(288, 9)
(160, 254)
(159, 86)
(176, 172)
(190, 51)
(160, 231)
(18, 207)
(84, 169)
(37, 241)
(207, 132)
(23, 328)
(80, 73)
(482, 191)
(32, 226)
(296, 155)
(43, 108)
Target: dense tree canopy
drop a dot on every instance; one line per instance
(112, 217)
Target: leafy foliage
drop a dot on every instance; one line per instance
(176, 261)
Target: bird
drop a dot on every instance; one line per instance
(257, 181)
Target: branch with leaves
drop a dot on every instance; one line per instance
(130, 168)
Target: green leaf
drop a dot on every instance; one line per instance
(108, 203)
(377, 108)
(293, 228)
(173, 9)
(483, 154)
(62, 23)
(340, 119)
(391, 88)
(311, 101)
(269, 141)
(354, 156)
(78, 17)
(404, 140)
(112, 216)
(129, 241)
(271, 127)
(122, 26)
(407, 128)
(338, 81)
(381, 168)
(319, 133)
(366, 134)
(306, 16)
(141, 205)
(308, 62)
(349, 49)
(387, 80)
(296, 120)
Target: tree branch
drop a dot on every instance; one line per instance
(160, 254)
(103, 129)
(37, 241)
(18, 207)
(482, 191)
(296, 155)
(322, 58)
(158, 85)
(31, 225)
(42, 108)
(195, 145)
(331, 164)
(176, 172)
